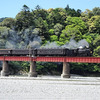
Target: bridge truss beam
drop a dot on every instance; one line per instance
(52, 59)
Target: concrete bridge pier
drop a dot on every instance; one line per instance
(32, 72)
(66, 70)
(5, 69)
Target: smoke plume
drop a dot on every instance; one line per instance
(72, 44)
(22, 40)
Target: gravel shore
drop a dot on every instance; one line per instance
(49, 88)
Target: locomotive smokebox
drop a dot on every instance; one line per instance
(84, 51)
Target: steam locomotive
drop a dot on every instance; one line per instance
(46, 52)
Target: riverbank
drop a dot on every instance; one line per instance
(49, 88)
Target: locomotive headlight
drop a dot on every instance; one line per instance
(80, 47)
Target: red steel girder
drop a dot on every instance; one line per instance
(52, 59)
(70, 59)
(83, 59)
(16, 58)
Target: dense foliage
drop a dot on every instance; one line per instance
(55, 25)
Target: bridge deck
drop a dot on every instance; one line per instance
(52, 59)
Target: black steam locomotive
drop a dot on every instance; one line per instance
(46, 52)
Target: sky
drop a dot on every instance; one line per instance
(10, 8)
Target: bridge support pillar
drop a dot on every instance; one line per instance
(5, 69)
(66, 70)
(32, 72)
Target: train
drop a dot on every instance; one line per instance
(47, 52)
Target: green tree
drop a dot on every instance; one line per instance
(57, 29)
(74, 29)
(94, 24)
(72, 12)
(96, 11)
(43, 27)
(51, 31)
(24, 19)
(38, 12)
(55, 16)
(4, 32)
(87, 14)
(8, 22)
(53, 38)
(96, 44)
(1, 19)
(25, 8)
(96, 52)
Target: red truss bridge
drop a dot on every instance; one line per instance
(52, 59)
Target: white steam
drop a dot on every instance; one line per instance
(70, 45)
(22, 40)
(29, 39)
(51, 45)
(36, 43)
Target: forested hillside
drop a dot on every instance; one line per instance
(38, 26)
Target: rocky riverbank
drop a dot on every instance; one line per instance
(49, 88)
